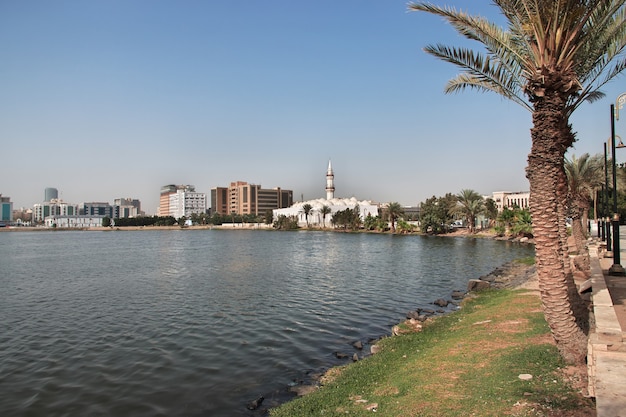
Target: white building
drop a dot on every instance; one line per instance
(315, 217)
(185, 203)
(54, 207)
(511, 200)
(71, 222)
(336, 204)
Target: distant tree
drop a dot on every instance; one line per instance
(585, 175)
(436, 214)
(405, 227)
(306, 209)
(269, 217)
(393, 211)
(324, 211)
(470, 205)
(286, 223)
(505, 220)
(373, 222)
(491, 211)
(347, 219)
(522, 223)
(106, 221)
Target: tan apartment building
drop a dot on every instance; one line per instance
(243, 198)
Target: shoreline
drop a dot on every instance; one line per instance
(461, 232)
(510, 275)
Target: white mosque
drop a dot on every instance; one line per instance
(366, 207)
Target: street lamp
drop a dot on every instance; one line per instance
(616, 268)
(606, 224)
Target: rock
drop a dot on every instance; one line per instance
(489, 278)
(253, 405)
(341, 355)
(477, 285)
(525, 377)
(301, 390)
(374, 349)
(441, 302)
(355, 357)
(358, 345)
(457, 295)
(524, 240)
(427, 311)
(412, 315)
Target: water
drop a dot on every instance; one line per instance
(198, 323)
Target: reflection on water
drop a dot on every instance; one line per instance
(186, 322)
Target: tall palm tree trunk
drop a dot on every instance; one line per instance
(578, 306)
(550, 140)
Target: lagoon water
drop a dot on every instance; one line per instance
(200, 322)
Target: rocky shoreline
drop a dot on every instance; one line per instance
(511, 275)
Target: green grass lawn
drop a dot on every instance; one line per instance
(463, 364)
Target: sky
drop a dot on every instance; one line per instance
(114, 99)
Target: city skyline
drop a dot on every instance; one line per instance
(103, 100)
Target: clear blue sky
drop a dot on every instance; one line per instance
(109, 99)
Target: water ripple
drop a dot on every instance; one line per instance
(197, 323)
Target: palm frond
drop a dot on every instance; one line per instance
(480, 72)
(575, 46)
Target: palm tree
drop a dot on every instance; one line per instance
(553, 55)
(491, 211)
(325, 210)
(306, 209)
(584, 177)
(393, 211)
(471, 204)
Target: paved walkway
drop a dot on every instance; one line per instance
(607, 342)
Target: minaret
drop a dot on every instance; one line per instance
(330, 182)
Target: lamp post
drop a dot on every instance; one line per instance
(606, 229)
(616, 268)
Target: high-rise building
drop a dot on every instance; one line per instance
(243, 198)
(6, 209)
(51, 194)
(126, 207)
(97, 209)
(164, 199)
(181, 201)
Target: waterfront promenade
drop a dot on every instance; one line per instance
(607, 342)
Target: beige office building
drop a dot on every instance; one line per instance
(243, 198)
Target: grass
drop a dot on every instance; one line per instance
(464, 364)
